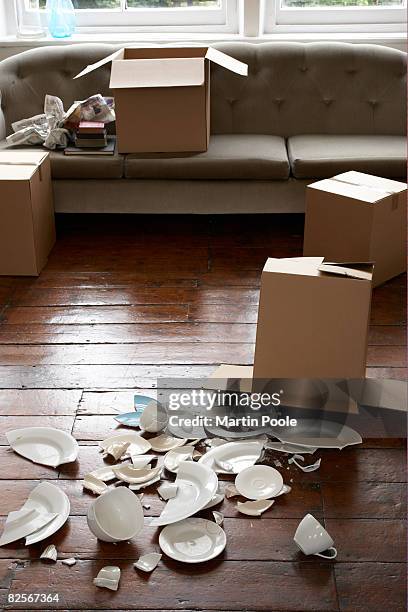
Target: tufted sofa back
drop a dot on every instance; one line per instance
(292, 88)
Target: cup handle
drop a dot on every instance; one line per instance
(333, 555)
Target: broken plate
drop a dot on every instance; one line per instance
(44, 445)
(154, 417)
(238, 456)
(214, 501)
(167, 490)
(193, 540)
(94, 484)
(108, 577)
(129, 419)
(173, 458)
(318, 434)
(50, 553)
(47, 498)
(289, 448)
(164, 443)
(21, 523)
(147, 563)
(139, 445)
(255, 508)
(259, 482)
(71, 561)
(141, 461)
(103, 473)
(116, 515)
(197, 484)
(144, 485)
(132, 475)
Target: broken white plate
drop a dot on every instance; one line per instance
(153, 418)
(318, 434)
(167, 490)
(147, 563)
(23, 522)
(144, 485)
(115, 516)
(141, 461)
(193, 540)
(196, 484)
(214, 501)
(47, 498)
(71, 561)
(139, 445)
(289, 448)
(230, 490)
(259, 482)
(50, 553)
(94, 484)
(255, 508)
(285, 489)
(173, 458)
(238, 456)
(132, 475)
(164, 443)
(218, 517)
(104, 473)
(108, 578)
(44, 445)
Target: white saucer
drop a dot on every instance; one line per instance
(235, 456)
(259, 482)
(193, 540)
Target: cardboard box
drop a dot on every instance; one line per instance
(27, 226)
(313, 319)
(358, 217)
(162, 96)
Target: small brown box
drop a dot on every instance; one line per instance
(358, 217)
(162, 96)
(313, 319)
(27, 224)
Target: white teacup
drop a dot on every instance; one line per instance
(312, 538)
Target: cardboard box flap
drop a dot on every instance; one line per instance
(166, 72)
(308, 266)
(369, 180)
(357, 270)
(20, 165)
(226, 61)
(102, 62)
(360, 186)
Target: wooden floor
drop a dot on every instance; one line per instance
(124, 300)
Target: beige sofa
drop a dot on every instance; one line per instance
(306, 111)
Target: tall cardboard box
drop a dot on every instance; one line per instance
(162, 96)
(358, 217)
(27, 226)
(313, 319)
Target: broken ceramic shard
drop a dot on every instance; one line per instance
(197, 484)
(165, 442)
(214, 501)
(47, 497)
(104, 473)
(108, 578)
(114, 444)
(238, 456)
(129, 419)
(147, 563)
(305, 468)
(144, 485)
(154, 417)
(44, 445)
(71, 561)
(94, 484)
(167, 490)
(115, 516)
(141, 461)
(230, 490)
(289, 448)
(254, 508)
(173, 457)
(50, 553)
(23, 522)
(285, 489)
(132, 475)
(218, 517)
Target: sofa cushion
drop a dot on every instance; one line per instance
(86, 166)
(229, 156)
(322, 156)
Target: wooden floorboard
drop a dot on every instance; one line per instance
(126, 300)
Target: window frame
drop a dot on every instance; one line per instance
(332, 19)
(196, 19)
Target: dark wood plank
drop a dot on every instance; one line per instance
(354, 465)
(57, 402)
(377, 500)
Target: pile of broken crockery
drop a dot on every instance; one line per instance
(116, 515)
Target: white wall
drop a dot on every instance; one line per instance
(3, 27)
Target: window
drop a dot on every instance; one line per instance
(201, 15)
(335, 15)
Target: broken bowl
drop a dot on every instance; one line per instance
(116, 515)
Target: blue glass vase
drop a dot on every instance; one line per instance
(60, 18)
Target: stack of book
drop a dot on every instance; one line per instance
(90, 134)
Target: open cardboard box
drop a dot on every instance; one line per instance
(358, 217)
(162, 96)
